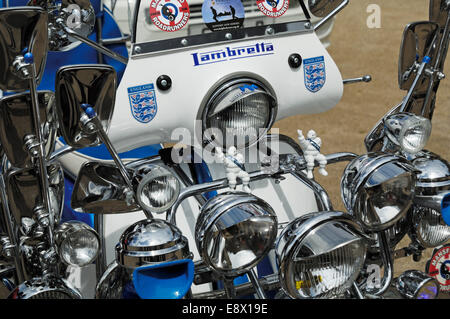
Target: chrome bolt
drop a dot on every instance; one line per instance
(270, 30)
(440, 75)
(41, 216)
(228, 36)
(184, 42)
(27, 225)
(137, 49)
(129, 197)
(307, 25)
(7, 247)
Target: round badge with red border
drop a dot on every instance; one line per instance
(273, 8)
(438, 267)
(169, 15)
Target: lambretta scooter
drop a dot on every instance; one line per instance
(231, 235)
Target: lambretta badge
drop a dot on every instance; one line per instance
(438, 267)
(143, 102)
(315, 73)
(233, 53)
(273, 8)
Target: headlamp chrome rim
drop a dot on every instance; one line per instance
(293, 236)
(48, 286)
(228, 86)
(222, 204)
(397, 125)
(147, 173)
(69, 228)
(356, 179)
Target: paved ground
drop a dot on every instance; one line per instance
(360, 50)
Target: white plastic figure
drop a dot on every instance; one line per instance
(234, 167)
(311, 150)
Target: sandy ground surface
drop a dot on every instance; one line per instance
(359, 50)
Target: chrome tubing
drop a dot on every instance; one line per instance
(95, 45)
(388, 264)
(331, 15)
(270, 282)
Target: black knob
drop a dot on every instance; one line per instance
(295, 60)
(163, 82)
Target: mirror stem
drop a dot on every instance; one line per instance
(254, 279)
(330, 15)
(89, 111)
(95, 45)
(41, 154)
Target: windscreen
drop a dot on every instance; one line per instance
(157, 20)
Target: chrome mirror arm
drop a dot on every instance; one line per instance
(322, 22)
(365, 78)
(93, 44)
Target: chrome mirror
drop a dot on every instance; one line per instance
(418, 40)
(22, 29)
(100, 189)
(25, 194)
(439, 11)
(77, 15)
(17, 126)
(84, 84)
(322, 8)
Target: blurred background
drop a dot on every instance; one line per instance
(359, 50)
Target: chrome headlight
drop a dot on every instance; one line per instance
(157, 188)
(47, 287)
(234, 231)
(320, 255)
(239, 113)
(378, 189)
(151, 241)
(414, 284)
(78, 244)
(431, 212)
(408, 131)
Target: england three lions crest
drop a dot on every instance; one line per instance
(143, 102)
(315, 73)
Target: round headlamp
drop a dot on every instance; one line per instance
(320, 255)
(47, 287)
(431, 202)
(378, 189)
(151, 241)
(78, 244)
(239, 113)
(157, 188)
(408, 131)
(414, 284)
(234, 231)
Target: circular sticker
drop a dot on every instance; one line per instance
(169, 15)
(438, 267)
(223, 14)
(273, 8)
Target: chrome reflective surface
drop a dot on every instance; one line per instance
(407, 131)
(322, 8)
(25, 193)
(47, 287)
(151, 241)
(78, 15)
(439, 11)
(20, 28)
(234, 231)
(100, 189)
(243, 107)
(378, 189)
(156, 188)
(429, 228)
(93, 84)
(417, 43)
(113, 282)
(78, 244)
(320, 254)
(16, 123)
(414, 284)
(434, 176)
